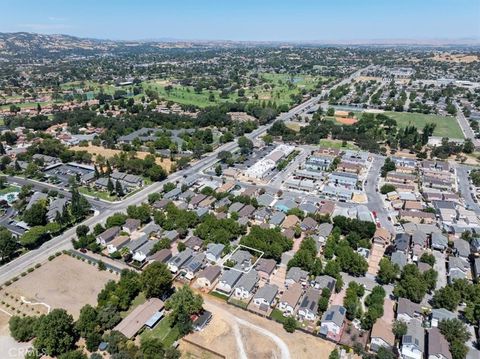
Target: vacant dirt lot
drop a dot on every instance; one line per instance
(108, 153)
(64, 282)
(234, 339)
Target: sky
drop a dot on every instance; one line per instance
(248, 20)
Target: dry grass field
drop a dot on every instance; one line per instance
(456, 58)
(108, 153)
(64, 282)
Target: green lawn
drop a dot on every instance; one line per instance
(445, 126)
(100, 194)
(337, 144)
(219, 295)
(164, 332)
(277, 315)
(9, 189)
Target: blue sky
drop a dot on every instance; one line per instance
(287, 20)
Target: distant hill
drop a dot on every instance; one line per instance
(25, 44)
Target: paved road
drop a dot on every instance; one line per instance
(375, 202)
(465, 126)
(464, 187)
(18, 265)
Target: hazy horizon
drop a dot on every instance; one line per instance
(266, 21)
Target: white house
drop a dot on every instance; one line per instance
(246, 284)
(413, 343)
(290, 298)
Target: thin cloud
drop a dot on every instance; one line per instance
(44, 27)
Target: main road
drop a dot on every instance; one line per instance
(63, 241)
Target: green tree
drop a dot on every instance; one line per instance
(8, 244)
(110, 186)
(218, 170)
(55, 333)
(22, 329)
(36, 215)
(399, 328)
(290, 324)
(387, 272)
(428, 258)
(119, 189)
(182, 304)
(334, 354)
(412, 284)
(151, 348)
(156, 280)
(387, 188)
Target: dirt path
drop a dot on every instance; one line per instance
(235, 321)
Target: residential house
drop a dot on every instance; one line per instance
(382, 236)
(195, 243)
(193, 265)
(296, 275)
(172, 194)
(324, 281)
(202, 320)
(308, 224)
(344, 179)
(462, 248)
(332, 322)
(117, 243)
(265, 296)
(265, 200)
(265, 268)
(402, 242)
(131, 225)
(214, 252)
(458, 268)
(290, 298)
(242, 260)
(246, 211)
(245, 286)
(308, 308)
(276, 219)
(145, 315)
(179, 260)
(162, 256)
(438, 347)
(381, 335)
(142, 252)
(407, 310)
(207, 277)
(290, 221)
(416, 216)
(285, 205)
(439, 241)
(441, 314)
(108, 235)
(227, 281)
(413, 342)
(235, 207)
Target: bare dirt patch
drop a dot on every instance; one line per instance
(220, 336)
(108, 153)
(64, 282)
(346, 120)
